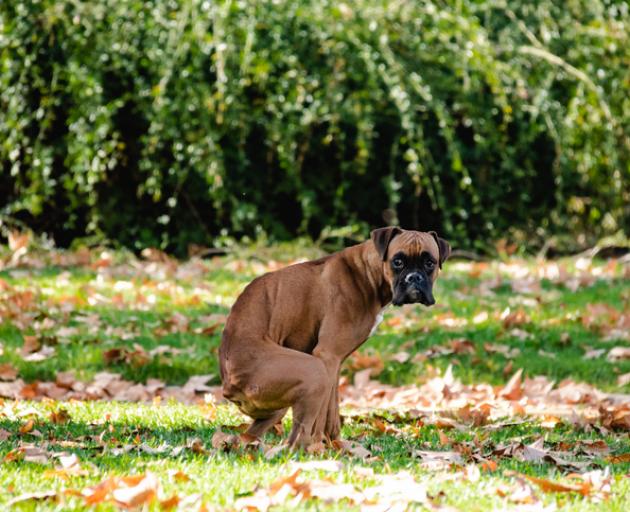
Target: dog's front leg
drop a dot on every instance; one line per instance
(328, 423)
(332, 429)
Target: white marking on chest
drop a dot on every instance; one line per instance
(377, 321)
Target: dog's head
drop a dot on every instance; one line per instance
(411, 262)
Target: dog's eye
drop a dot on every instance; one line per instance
(398, 263)
(429, 265)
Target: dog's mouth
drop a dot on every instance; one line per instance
(413, 295)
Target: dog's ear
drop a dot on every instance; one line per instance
(382, 237)
(443, 246)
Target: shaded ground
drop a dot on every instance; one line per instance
(447, 394)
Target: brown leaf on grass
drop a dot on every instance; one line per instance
(621, 458)
(31, 344)
(177, 322)
(65, 379)
(550, 486)
(275, 450)
(534, 452)
(18, 239)
(198, 383)
(290, 481)
(114, 355)
(598, 483)
(550, 422)
(28, 453)
(593, 353)
(35, 454)
(444, 439)
(157, 256)
(195, 445)
(133, 493)
(618, 354)
(400, 357)
(316, 448)
(98, 493)
(33, 496)
(352, 448)
(44, 353)
(623, 380)
(358, 361)
(178, 475)
(462, 346)
(488, 465)
(293, 486)
(15, 454)
(527, 285)
(437, 461)
(477, 415)
(8, 372)
(59, 417)
(27, 427)
(520, 493)
(615, 417)
(513, 390)
(136, 357)
(4, 434)
(498, 348)
(170, 503)
(597, 447)
(511, 319)
(224, 441)
(125, 492)
(69, 465)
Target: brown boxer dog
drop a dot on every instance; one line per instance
(289, 331)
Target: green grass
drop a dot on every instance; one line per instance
(104, 312)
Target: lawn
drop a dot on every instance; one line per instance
(510, 393)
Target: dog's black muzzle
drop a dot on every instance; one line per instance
(413, 288)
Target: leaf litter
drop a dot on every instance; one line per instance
(442, 400)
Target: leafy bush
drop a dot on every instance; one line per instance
(174, 121)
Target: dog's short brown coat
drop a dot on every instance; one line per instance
(290, 330)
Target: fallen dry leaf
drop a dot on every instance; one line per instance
(138, 493)
(275, 450)
(618, 354)
(8, 372)
(621, 458)
(444, 439)
(170, 503)
(550, 486)
(27, 427)
(352, 448)
(33, 496)
(125, 492)
(437, 461)
(224, 441)
(59, 417)
(31, 344)
(513, 389)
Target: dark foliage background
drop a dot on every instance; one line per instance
(164, 123)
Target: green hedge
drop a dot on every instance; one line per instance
(161, 123)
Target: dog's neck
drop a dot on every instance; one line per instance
(374, 272)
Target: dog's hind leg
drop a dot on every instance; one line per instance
(260, 426)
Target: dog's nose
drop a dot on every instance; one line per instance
(414, 277)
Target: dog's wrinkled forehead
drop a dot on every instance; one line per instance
(414, 243)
